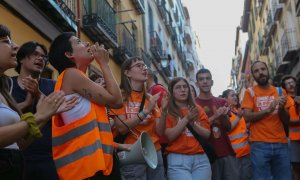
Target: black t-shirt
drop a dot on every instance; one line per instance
(39, 149)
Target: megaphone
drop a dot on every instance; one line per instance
(141, 152)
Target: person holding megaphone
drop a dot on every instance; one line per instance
(139, 115)
(184, 121)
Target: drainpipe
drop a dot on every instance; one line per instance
(78, 19)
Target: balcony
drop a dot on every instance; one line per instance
(277, 9)
(61, 12)
(156, 46)
(161, 5)
(298, 8)
(187, 34)
(175, 38)
(180, 52)
(139, 6)
(99, 23)
(270, 25)
(189, 60)
(127, 44)
(289, 44)
(145, 56)
(169, 23)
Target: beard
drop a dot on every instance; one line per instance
(262, 80)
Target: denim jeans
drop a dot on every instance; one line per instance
(143, 172)
(270, 161)
(188, 167)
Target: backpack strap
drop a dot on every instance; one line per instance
(279, 90)
(251, 91)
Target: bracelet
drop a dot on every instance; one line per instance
(139, 117)
(144, 114)
(34, 130)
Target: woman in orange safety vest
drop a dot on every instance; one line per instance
(82, 141)
(238, 135)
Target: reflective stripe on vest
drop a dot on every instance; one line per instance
(244, 134)
(79, 131)
(236, 146)
(294, 129)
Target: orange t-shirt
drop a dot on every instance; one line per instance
(185, 143)
(269, 129)
(130, 109)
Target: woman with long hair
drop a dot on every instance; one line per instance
(81, 137)
(139, 113)
(238, 135)
(186, 157)
(16, 128)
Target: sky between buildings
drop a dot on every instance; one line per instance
(215, 23)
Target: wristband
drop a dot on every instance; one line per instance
(34, 130)
(144, 114)
(139, 117)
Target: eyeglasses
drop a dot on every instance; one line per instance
(140, 66)
(179, 87)
(36, 54)
(6, 40)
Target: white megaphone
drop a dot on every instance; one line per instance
(141, 152)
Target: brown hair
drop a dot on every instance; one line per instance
(173, 108)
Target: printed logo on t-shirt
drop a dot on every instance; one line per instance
(216, 132)
(132, 109)
(263, 103)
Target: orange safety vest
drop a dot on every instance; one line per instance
(294, 131)
(239, 138)
(83, 147)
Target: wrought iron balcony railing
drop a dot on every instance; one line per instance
(61, 12)
(99, 22)
(289, 44)
(127, 44)
(139, 6)
(156, 46)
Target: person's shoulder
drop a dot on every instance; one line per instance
(219, 99)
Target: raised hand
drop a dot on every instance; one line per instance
(281, 101)
(192, 115)
(48, 105)
(152, 102)
(68, 104)
(100, 54)
(31, 85)
(272, 106)
(297, 99)
(165, 101)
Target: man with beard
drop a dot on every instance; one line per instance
(288, 82)
(266, 108)
(225, 166)
(26, 90)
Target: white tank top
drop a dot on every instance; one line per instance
(80, 110)
(7, 117)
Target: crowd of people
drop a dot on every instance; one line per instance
(74, 126)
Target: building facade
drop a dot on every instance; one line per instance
(156, 30)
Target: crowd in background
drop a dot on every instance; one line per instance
(73, 127)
